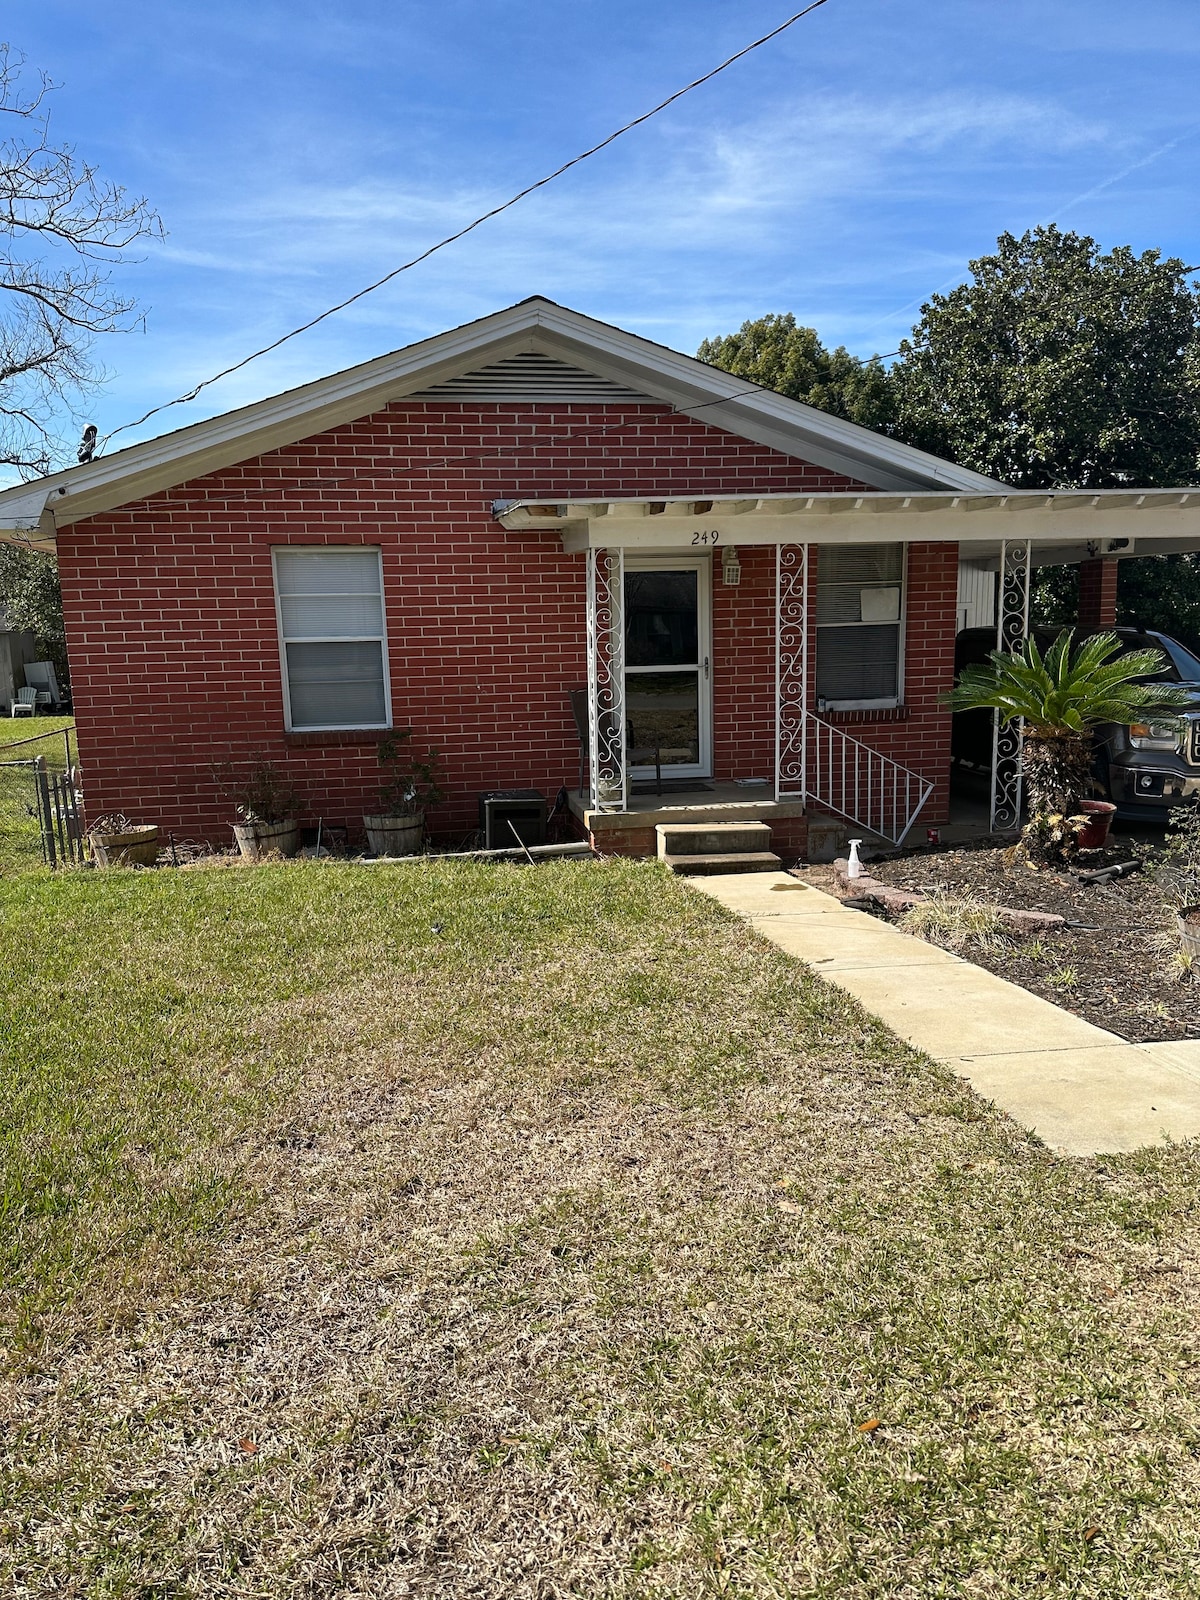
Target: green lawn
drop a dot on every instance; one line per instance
(470, 1230)
(14, 729)
(21, 740)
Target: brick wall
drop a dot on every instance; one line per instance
(171, 618)
(918, 734)
(1097, 595)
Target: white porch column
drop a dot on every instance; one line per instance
(1008, 738)
(606, 679)
(791, 671)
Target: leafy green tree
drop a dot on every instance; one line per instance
(1064, 697)
(779, 353)
(30, 600)
(1058, 366)
(1161, 592)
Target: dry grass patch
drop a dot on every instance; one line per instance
(958, 923)
(587, 1235)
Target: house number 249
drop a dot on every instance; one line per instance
(710, 538)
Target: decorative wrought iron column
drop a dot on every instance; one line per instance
(791, 671)
(606, 679)
(1008, 738)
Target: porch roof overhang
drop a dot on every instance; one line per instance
(1062, 526)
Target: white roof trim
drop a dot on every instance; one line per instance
(538, 325)
(1102, 522)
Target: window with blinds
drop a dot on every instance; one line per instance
(331, 637)
(860, 594)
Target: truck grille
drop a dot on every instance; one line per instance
(1193, 744)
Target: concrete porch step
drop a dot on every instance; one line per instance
(723, 861)
(711, 838)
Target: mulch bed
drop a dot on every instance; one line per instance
(1115, 965)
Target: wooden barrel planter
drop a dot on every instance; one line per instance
(395, 836)
(258, 839)
(1189, 931)
(134, 847)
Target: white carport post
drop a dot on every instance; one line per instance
(791, 671)
(606, 679)
(1008, 738)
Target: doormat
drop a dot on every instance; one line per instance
(671, 786)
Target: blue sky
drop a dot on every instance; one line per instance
(297, 150)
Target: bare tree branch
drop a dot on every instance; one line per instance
(53, 305)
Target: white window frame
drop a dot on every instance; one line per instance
(887, 702)
(362, 638)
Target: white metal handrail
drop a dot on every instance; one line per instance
(860, 784)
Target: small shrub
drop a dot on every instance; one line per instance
(1182, 965)
(260, 791)
(1178, 873)
(958, 923)
(413, 786)
(1063, 978)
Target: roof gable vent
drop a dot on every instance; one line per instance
(534, 378)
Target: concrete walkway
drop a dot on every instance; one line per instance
(1083, 1090)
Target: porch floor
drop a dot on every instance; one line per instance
(728, 802)
(715, 802)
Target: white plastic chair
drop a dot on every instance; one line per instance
(24, 702)
(39, 675)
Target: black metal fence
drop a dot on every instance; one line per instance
(39, 808)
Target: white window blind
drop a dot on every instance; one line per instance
(859, 610)
(332, 637)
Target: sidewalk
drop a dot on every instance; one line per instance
(1081, 1089)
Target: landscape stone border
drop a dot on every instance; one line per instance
(897, 901)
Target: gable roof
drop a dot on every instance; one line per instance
(507, 355)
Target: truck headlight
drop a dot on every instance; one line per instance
(1154, 735)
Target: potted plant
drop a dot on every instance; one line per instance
(1063, 697)
(398, 828)
(267, 801)
(117, 842)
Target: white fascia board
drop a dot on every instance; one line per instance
(204, 447)
(1164, 520)
(693, 387)
(719, 397)
(25, 517)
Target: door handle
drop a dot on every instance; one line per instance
(706, 669)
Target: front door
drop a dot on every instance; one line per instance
(667, 692)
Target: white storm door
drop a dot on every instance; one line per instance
(668, 691)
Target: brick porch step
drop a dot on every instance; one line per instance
(731, 861)
(701, 847)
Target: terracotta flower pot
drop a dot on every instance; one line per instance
(1100, 813)
(258, 839)
(396, 836)
(1189, 930)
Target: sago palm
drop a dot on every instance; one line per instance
(1062, 698)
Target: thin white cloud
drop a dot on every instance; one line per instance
(814, 198)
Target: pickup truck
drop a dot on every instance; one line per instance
(1144, 770)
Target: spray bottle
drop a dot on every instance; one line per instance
(854, 867)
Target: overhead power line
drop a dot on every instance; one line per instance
(470, 227)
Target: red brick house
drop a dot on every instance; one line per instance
(761, 600)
